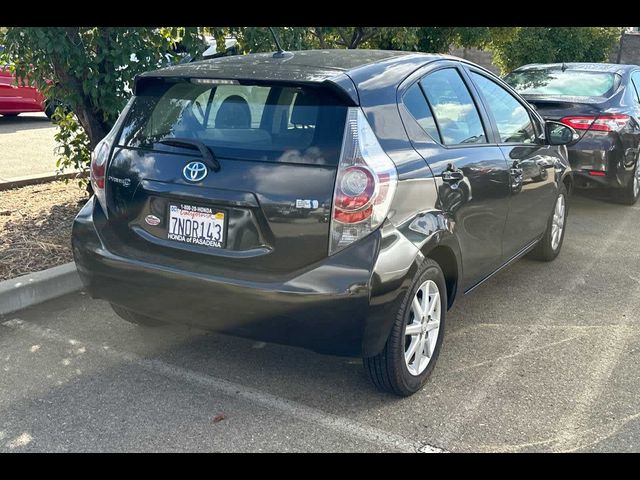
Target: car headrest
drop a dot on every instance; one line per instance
(305, 110)
(234, 112)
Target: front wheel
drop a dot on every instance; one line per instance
(550, 244)
(412, 349)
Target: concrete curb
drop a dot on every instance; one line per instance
(38, 287)
(35, 179)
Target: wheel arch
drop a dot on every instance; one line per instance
(567, 180)
(446, 258)
(426, 235)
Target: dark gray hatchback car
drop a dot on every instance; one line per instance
(335, 200)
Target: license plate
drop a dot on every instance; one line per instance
(196, 225)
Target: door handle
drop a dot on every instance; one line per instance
(516, 170)
(452, 176)
(516, 173)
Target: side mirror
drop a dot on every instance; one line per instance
(558, 133)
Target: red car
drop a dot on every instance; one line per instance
(16, 99)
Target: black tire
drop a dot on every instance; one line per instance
(49, 110)
(388, 370)
(10, 115)
(544, 250)
(629, 194)
(136, 318)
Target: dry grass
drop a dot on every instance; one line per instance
(35, 226)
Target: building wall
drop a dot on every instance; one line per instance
(480, 57)
(630, 50)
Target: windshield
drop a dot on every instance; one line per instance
(253, 122)
(568, 83)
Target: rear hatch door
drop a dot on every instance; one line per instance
(225, 176)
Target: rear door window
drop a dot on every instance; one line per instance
(455, 112)
(257, 122)
(512, 119)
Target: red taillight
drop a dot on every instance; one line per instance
(99, 159)
(97, 175)
(596, 173)
(365, 184)
(602, 123)
(356, 187)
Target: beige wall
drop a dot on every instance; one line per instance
(480, 57)
(630, 50)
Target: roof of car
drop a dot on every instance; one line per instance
(338, 59)
(595, 67)
(297, 66)
(349, 72)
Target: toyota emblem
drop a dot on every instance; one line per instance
(195, 171)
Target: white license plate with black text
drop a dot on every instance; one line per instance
(196, 225)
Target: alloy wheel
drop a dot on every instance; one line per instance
(423, 327)
(557, 224)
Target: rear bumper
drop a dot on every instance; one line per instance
(601, 160)
(326, 308)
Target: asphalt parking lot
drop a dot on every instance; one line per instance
(27, 146)
(543, 357)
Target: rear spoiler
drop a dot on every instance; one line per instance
(341, 84)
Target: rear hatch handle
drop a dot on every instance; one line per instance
(207, 154)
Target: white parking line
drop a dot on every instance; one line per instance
(469, 409)
(302, 412)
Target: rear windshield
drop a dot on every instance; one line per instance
(568, 83)
(252, 122)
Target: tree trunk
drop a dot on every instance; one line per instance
(620, 46)
(355, 38)
(84, 111)
(88, 118)
(320, 35)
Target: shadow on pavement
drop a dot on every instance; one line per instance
(21, 123)
(599, 194)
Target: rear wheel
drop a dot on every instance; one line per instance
(413, 346)
(550, 244)
(137, 318)
(631, 192)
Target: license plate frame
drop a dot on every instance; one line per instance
(186, 210)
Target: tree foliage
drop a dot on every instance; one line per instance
(425, 39)
(90, 70)
(553, 44)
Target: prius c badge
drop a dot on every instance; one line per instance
(194, 171)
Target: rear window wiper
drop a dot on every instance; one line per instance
(207, 154)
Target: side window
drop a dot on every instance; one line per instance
(417, 105)
(454, 110)
(635, 78)
(512, 119)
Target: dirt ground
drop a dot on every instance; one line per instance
(35, 226)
